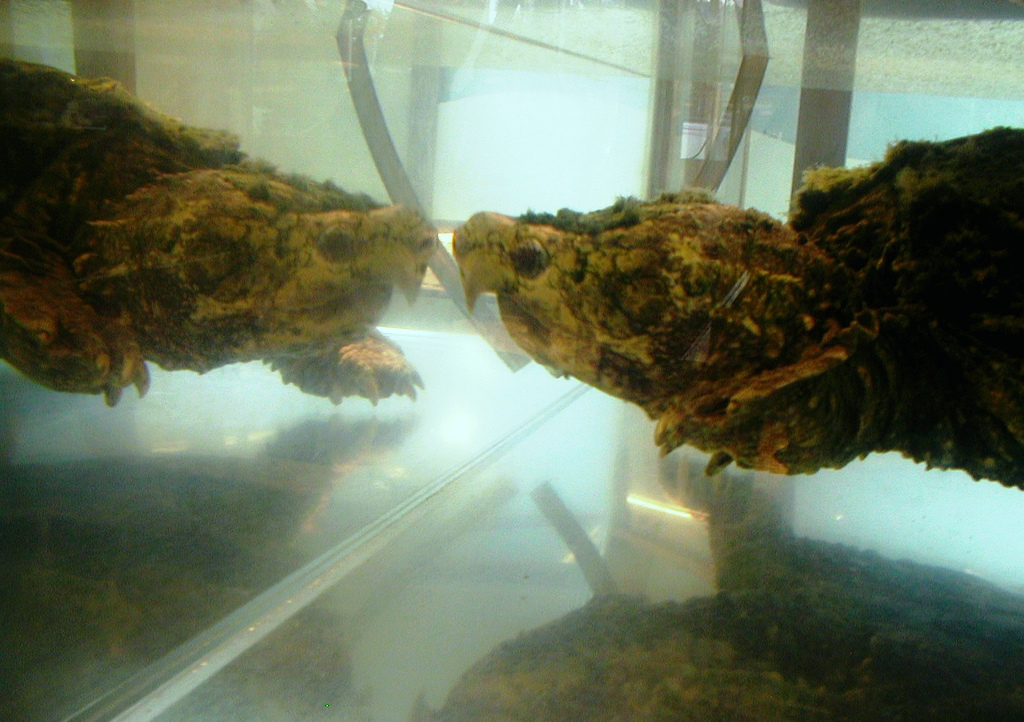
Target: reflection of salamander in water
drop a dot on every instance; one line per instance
(887, 315)
(126, 236)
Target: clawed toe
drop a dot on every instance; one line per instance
(112, 394)
(368, 387)
(133, 372)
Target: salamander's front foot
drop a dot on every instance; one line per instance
(371, 367)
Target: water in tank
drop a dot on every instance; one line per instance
(511, 360)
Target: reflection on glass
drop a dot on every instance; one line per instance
(133, 538)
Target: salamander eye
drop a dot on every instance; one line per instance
(529, 260)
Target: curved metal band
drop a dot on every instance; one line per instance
(486, 319)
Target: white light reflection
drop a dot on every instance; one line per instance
(670, 509)
(458, 429)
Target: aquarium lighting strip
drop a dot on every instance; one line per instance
(670, 509)
(162, 684)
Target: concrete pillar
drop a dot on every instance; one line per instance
(6, 30)
(826, 95)
(104, 38)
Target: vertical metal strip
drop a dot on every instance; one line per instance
(729, 133)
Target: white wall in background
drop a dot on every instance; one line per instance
(571, 142)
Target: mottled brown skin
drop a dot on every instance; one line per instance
(126, 236)
(886, 316)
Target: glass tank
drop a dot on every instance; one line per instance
(497, 534)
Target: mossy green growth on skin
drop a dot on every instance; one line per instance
(885, 316)
(127, 237)
(255, 176)
(826, 633)
(625, 212)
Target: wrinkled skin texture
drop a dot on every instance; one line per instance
(127, 237)
(887, 315)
